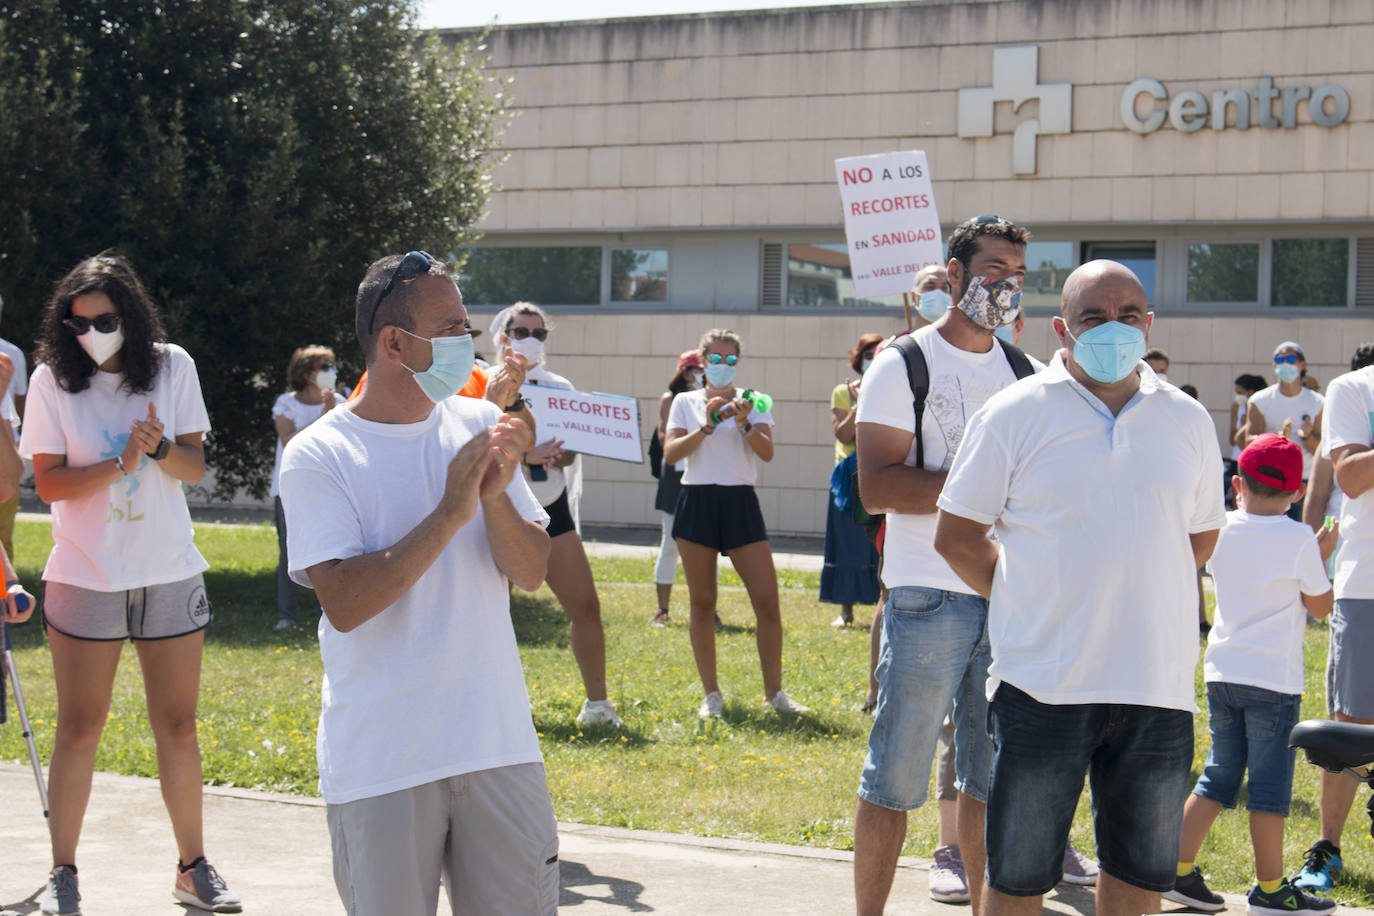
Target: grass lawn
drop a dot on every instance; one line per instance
(750, 775)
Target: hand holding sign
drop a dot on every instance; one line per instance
(605, 425)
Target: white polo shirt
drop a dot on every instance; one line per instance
(1094, 598)
(1349, 420)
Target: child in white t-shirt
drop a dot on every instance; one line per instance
(1270, 574)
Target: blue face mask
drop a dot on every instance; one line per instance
(1287, 372)
(1003, 333)
(450, 369)
(933, 304)
(720, 376)
(1108, 352)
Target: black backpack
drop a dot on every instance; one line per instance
(918, 375)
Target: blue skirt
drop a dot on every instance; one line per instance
(850, 575)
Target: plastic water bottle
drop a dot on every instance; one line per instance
(761, 402)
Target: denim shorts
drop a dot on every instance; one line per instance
(934, 651)
(1350, 676)
(1249, 727)
(1138, 761)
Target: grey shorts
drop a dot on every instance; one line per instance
(153, 612)
(1350, 676)
(491, 835)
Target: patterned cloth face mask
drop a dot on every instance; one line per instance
(992, 303)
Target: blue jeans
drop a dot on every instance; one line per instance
(1249, 727)
(1138, 760)
(934, 651)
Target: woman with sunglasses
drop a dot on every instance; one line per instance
(554, 476)
(718, 513)
(311, 378)
(114, 425)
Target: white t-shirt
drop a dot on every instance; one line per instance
(1262, 566)
(137, 531)
(432, 686)
(19, 383)
(546, 491)
(301, 415)
(1349, 420)
(1094, 598)
(723, 458)
(1277, 407)
(960, 383)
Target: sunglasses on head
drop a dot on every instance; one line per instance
(411, 266)
(1291, 358)
(519, 333)
(715, 359)
(106, 323)
(987, 219)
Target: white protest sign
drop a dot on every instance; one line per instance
(889, 220)
(605, 425)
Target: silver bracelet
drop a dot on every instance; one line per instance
(119, 463)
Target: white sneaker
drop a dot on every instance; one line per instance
(712, 705)
(598, 712)
(781, 702)
(284, 623)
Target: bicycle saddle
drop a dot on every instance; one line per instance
(1334, 746)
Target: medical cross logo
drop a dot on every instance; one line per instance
(1016, 79)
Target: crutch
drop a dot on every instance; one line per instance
(22, 601)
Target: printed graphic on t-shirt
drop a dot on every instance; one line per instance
(950, 403)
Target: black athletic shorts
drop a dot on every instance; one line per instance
(560, 516)
(721, 518)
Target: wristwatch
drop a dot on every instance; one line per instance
(517, 405)
(163, 448)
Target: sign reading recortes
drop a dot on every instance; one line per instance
(606, 425)
(1189, 110)
(889, 220)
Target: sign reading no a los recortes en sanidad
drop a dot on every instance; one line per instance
(605, 425)
(889, 220)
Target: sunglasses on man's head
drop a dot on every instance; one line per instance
(715, 359)
(1291, 358)
(518, 333)
(411, 266)
(106, 323)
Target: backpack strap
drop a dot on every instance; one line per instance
(1020, 363)
(918, 374)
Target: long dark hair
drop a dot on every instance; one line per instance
(112, 275)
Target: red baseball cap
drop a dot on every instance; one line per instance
(690, 360)
(1275, 461)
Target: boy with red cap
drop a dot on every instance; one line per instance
(1270, 573)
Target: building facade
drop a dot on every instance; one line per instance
(672, 174)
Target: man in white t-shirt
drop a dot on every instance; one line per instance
(1348, 440)
(934, 642)
(406, 514)
(1101, 482)
(1289, 409)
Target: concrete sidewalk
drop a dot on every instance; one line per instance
(274, 852)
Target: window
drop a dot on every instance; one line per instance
(639, 275)
(1138, 256)
(1310, 272)
(1047, 264)
(1224, 272)
(549, 276)
(818, 275)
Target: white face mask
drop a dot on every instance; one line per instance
(326, 379)
(530, 348)
(695, 379)
(100, 346)
(1241, 400)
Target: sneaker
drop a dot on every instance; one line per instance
(284, 623)
(1078, 868)
(61, 895)
(660, 619)
(598, 712)
(712, 706)
(1322, 868)
(841, 622)
(1191, 891)
(781, 702)
(201, 886)
(1287, 901)
(948, 883)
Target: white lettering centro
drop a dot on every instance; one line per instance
(1191, 110)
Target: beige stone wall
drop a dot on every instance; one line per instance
(799, 359)
(735, 119)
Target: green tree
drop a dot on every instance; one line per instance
(251, 157)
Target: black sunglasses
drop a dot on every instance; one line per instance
(105, 323)
(987, 218)
(518, 333)
(411, 266)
